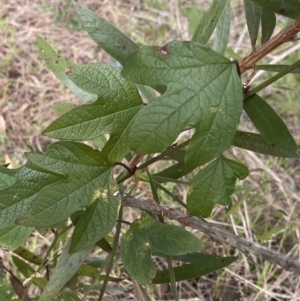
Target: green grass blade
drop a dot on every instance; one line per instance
(277, 68)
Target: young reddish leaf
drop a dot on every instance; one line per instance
(194, 270)
(256, 143)
(203, 91)
(214, 184)
(117, 104)
(269, 124)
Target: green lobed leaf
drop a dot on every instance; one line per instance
(268, 23)
(98, 219)
(269, 124)
(290, 8)
(253, 15)
(203, 91)
(147, 236)
(66, 267)
(86, 170)
(58, 66)
(14, 236)
(194, 270)
(209, 22)
(15, 200)
(107, 36)
(222, 30)
(214, 184)
(117, 104)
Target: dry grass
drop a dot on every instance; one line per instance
(268, 201)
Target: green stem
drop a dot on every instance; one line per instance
(172, 278)
(165, 153)
(52, 246)
(125, 175)
(273, 79)
(175, 198)
(112, 254)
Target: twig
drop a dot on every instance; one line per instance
(221, 235)
(286, 35)
(134, 162)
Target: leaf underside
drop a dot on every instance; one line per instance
(214, 184)
(85, 171)
(112, 113)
